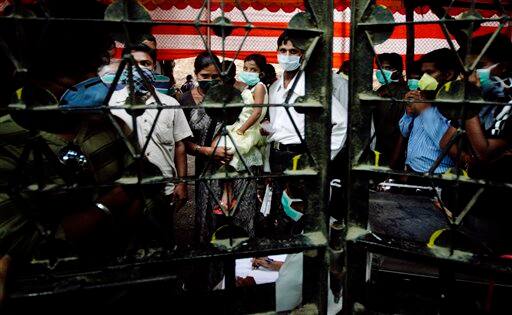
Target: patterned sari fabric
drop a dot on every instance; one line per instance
(205, 221)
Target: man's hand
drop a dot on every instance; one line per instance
(180, 195)
(266, 263)
(245, 282)
(415, 108)
(414, 95)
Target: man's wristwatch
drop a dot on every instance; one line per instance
(103, 208)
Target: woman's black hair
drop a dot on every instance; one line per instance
(204, 60)
(268, 71)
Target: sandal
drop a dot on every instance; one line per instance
(218, 209)
(234, 203)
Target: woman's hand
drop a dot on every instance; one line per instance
(222, 155)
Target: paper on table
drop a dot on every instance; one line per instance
(260, 275)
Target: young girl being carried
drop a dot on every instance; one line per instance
(246, 131)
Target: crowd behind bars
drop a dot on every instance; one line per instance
(81, 147)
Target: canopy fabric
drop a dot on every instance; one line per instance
(183, 41)
(292, 5)
(175, 42)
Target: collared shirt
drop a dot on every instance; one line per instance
(172, 126)
(339, 114)
(284, 132)
(423, 147)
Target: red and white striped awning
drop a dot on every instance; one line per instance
(175, 42)
(181, 42)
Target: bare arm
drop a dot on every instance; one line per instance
(180, 158)
(259, 98)
(446, 139)
(483, 148)
(222, 154)
(180, 190)
(81, 224)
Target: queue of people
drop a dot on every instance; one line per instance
(94, 145)
(421, 135)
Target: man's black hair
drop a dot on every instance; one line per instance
(149, 36)
(444, 60)
(143, 48)
(499, 51)
(296, 41)
(394, 59)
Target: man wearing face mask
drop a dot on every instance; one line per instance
(387, 115)
(285, 144)
(422, 123)
(166, 148)
(488, 150)
(485, 130)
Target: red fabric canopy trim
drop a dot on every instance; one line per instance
(289, 5)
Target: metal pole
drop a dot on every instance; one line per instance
(360, 81)
(409, 54)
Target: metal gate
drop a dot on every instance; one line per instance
(59, 275)
(370, 27)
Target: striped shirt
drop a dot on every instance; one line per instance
(423, 147)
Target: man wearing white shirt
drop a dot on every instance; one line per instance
(286, 144)
(165, 148)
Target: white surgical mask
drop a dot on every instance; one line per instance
(288, 62)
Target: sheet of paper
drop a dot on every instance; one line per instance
(261, 275)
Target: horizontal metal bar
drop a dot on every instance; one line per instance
(83, 108)
(10, 19)
(411, 250)
(78, 284)
(160, 180)
(370, 97)
(374, 25)
(45, 280)
(447, 178)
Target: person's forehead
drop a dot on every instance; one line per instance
(287, 45)
(250, 63)
(385, 64)
(209, 69)
(141, 55)
(483, 62)
(428, 66)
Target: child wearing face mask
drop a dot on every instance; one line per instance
(245, 133)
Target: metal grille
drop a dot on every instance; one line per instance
(57, 274)
(362, 242)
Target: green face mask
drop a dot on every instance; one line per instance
(428, 83)
(286, 201)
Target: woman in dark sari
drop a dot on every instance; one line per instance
(205, 129)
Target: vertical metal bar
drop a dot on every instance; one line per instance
(208, 29)
(318, 127)
(358, 132)
(230, 285)
(409, 54)
(314, 278)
